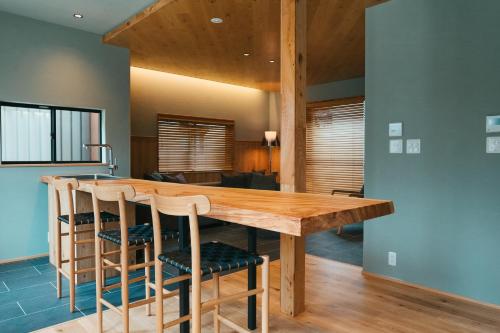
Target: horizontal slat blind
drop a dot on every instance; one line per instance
(194, 144)
(335, 146)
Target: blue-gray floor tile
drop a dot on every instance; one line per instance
(18, 283)
(8, 311)
(38, 320)
(28, 271)
(42, 289)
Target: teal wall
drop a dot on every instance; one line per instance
(435, 66)
(50, 64)
(337, 89)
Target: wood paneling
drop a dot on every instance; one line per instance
(252, 156)
(143, 155)
(340, 299)
(178, 37)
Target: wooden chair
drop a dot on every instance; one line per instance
(199, 260)
(351, 194)
(138, 237)
(63, 197)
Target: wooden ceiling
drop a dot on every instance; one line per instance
(176, 36)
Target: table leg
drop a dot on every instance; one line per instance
(252, 279)
(183, 285)
(292, 261)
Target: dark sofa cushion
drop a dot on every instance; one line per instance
(178, 178)
(263, 182)
(238, 181)
(155, 175)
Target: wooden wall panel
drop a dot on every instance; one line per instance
(143, 155)
(248, 156)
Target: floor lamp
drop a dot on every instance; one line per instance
(270, 140)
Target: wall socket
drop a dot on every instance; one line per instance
(391, 258)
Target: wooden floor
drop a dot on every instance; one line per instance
(339, 299)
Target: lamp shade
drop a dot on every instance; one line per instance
(270, 139)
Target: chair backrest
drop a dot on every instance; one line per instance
(191, 206)
(63, 196)
(112, 193)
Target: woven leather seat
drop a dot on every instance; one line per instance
(137, 235)
(215, 258)
(88, 218)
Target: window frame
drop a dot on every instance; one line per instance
(53, 133)
(198, 120)
(313, 107)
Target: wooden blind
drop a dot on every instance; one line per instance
(335, 137)
(194, 144)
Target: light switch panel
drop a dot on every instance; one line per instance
(396, 129)
(396, 146)
(492, 124)
(413, 146)
(493, 145)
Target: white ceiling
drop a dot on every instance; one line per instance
(99, 16)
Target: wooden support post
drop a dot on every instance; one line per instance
(293, 141)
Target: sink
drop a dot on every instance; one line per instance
(97, 176)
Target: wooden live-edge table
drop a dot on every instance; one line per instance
(294, 214)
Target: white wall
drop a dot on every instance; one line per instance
(155, 92)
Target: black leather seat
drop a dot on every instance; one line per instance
(215, 258)
(137, 235)
(88, 218)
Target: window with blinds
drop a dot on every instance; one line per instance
(194, 144)
(335, 137)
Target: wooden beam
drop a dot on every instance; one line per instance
(293, 138)
(135, 19)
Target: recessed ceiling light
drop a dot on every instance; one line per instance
(216, 20)
(78, 16)
(271, 61)
(246, 54)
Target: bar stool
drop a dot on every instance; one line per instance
(138, 237)
(63, 197)
(211, 258)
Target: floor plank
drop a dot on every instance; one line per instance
(338, 298)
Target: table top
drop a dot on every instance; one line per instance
(295, 214)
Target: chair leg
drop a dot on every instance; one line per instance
(72, 276)
(98, 282)
(265, 295)
(339, 229)
(58, 259)
(215, 280)
(159, 295)
(147, 273)
(124, 287)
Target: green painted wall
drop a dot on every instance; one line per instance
(435, 66)
(50, 64)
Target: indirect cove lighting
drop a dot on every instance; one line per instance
(216, 20)
(77, 15)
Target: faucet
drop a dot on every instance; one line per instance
(112, 163)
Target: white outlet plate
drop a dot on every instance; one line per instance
(493, 145)
(396, 129)
(413, 146)
(391, 258)
(396, 146)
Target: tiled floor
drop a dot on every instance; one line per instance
(28, 295)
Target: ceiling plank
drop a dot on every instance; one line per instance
(136, 19)
(177, 37)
